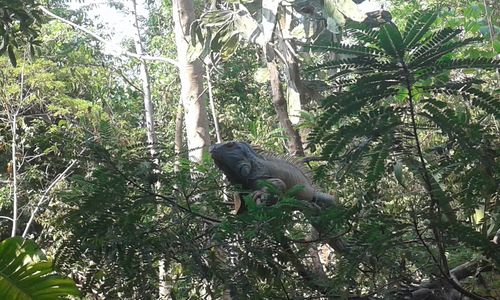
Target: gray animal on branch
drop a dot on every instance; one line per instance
(246, 166)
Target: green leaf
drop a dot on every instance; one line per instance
(398, 173)
(376, 166)
(24, 275)
(12, 55)
(363, 33)
(216, 18)
(496, 46)
(4, 44)
(391, 41)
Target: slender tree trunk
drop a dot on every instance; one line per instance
(191, 76)
(163, 289)
(212, 104)
(279, 103)
(14, 173)
(13, 118)
(146, 85)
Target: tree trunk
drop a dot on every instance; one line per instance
(146, 86)
(163, 289)
(294, 142)
(14, 173)
(191, 76)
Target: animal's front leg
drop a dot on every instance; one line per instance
(269, 195)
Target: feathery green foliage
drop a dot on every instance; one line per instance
(402, 113)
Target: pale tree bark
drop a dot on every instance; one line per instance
(178, 135)
(191, 77)
(145, 82)
(163, 289)
(14, 172)
(212, 104)
(13, 113)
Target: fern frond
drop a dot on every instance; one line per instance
(485, 101)
(369, 124)
(351, 103)
(470, 63)
(474, 239)
(343, 64)
(367, 36)
(438, 113)
(342, 82)
(376, 166)
(465, 63)
(435, 41)
(335, 142)
(439, 195)
(349, 49)
(466, 138)
(417, 26)
(478, 98)
(377, 81)
(363, 33)
(436, 53)
(369, 75)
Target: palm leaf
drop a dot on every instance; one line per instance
(26, 274)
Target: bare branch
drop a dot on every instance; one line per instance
(42, 200)
(108, 43)
(6, 218)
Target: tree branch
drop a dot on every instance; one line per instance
(58, 178)
(121, 51)
(442, 264)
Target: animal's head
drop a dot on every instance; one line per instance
(235, 159)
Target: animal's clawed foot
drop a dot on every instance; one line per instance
(264, 198)
(270, 194)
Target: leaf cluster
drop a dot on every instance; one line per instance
(20, 22)
(27, 274)
(410, 127)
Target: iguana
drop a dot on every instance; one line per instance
(246, 166)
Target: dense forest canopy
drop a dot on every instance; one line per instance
(336, 149)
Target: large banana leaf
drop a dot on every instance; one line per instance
(25, 273)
